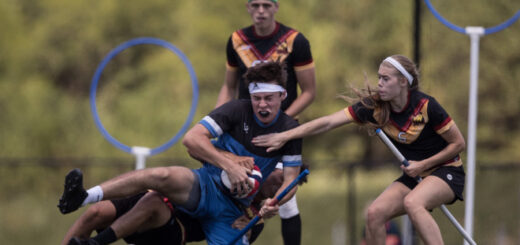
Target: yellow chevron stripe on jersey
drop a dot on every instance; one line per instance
(414, 129)
(247, 54)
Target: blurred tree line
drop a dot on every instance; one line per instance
(49, 51)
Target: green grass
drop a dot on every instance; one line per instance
(28, 212)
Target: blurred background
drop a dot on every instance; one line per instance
(49, 51)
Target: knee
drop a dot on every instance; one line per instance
(153, 206)
(374, 215)
(159, 176)
(152, 201)
(99, 213)
(412, 204)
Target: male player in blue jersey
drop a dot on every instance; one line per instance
(200, 192)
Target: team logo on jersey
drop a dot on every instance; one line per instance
(282, 48)
(418, 119)
(401, 136)
(246, 128)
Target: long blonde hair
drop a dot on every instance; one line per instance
(371, 99)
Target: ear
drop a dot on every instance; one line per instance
(284, 95)
(403, 81)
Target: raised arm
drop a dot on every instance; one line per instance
(316, 126)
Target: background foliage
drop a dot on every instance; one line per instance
(50, 49)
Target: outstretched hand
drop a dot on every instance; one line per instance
(272, 141)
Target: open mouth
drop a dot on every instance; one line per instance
(264, 114)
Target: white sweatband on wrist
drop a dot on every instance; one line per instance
(264, 87)
(400, 68)
(289, 209)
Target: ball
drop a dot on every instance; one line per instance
(254, 178)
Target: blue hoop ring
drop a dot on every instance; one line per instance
(456, 28)
(111, 55)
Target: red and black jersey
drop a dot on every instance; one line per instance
(245, 49)
(416, 130)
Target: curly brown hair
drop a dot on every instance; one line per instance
(267, 72)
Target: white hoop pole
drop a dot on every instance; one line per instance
(404, 161)
(140, 153)
(474, 33)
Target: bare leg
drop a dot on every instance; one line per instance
(387, 205)
(173, 182)
(148, 213)
(97, 216)
(430, 193)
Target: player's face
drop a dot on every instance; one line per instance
(266, 105)
(262, 12)
(390, 83)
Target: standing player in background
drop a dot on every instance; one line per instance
(269, 40)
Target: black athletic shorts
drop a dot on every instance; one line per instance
(454, 176)
(180, 225)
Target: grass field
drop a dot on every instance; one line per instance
(28, 213)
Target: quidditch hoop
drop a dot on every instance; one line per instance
(110, 56)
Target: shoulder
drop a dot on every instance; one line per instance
(421, 96)
(299, 37)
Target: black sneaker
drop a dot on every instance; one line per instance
(77, 241)
(74, 193)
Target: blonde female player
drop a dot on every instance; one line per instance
(423, 132)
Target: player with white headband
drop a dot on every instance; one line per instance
(200, 192)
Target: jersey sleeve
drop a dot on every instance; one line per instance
(231, 56)
(359, 113)
(302, 53)
(222, 119)
(292, 153)
(439, 118)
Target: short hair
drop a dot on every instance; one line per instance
(266, 72)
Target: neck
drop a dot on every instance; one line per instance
(400, 101)
(265, 30)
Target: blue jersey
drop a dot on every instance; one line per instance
(235, 125)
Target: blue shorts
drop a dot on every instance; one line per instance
(215, 211)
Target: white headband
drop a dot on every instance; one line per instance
(400, 67)
(264, 87)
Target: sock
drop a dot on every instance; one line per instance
(107, 236)
(291, 230)
(95, 194)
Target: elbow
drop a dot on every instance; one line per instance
(462, 146)
(188, 140)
